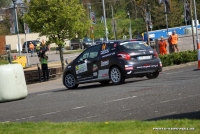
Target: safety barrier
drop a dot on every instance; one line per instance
(32, 76)
(12, 82)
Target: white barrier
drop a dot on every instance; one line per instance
(12, 82)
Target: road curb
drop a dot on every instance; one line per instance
(179, 66)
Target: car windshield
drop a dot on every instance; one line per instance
(133, 45)
(87, 39)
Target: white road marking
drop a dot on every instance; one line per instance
(78, 107)
(52, 113)
(121, 99)
(74, 108)
(45, 93)
(177, 99)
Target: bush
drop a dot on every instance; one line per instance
(179, 58)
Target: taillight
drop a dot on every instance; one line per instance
(155, 54)
(124, 55)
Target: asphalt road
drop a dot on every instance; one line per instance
(175, 94)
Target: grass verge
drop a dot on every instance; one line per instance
(122, 127)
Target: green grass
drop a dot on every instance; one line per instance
(2, 62)
(121, 127)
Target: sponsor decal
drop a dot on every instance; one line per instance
(81, 68)
(129, 72)
(104, 75)
(95, 74)
(69, 67)
(114, 45)
(107, 55)
(128, 67)
(95, 67)
(104, 63)
(104, 52)
(147, 66)
(161, 64)
(150, 51)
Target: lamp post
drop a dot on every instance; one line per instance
(19, 48)
(89, 18)
(197, 37)
(105, 25)
(166, 18)
(130, 29)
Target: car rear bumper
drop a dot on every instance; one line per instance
(130, 68)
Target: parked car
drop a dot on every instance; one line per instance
(112, 61)
(24, 50)
(75, 44)
(81, 43)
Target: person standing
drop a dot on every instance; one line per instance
(43, 46)
(31, 47)
(38, 48)
(163, 46)
(173, 39)
(44, 63)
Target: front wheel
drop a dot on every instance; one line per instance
(152, 75)
(70, 81)
(116, 76)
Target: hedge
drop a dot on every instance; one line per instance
(178, 58)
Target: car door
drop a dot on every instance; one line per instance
(87, 67)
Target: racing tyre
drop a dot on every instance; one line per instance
(105, 82)
(70, 81)
(152, 75)
(116, 75)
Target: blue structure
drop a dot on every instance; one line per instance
(163, 32)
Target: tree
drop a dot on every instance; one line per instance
(59, 20)
(5, 3)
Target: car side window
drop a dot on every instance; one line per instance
(90, 53)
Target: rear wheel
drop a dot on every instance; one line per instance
(70, 81)
(116, 76)
(105, 82)
(152, 75)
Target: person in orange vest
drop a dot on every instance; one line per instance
(31, 47)
(173, 40)
(163, 46)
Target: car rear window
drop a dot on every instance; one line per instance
(133, 46)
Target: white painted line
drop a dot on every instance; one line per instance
(31, 117)
(121, 99)
(78, 107)
(51, 113)
(177, 99)
(44, 93)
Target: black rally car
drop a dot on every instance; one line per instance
(112, 61)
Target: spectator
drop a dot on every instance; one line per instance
(173, 40)
(43, 46)
(38, 47)
(44, 63)
(31, 47)
(163, 46)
